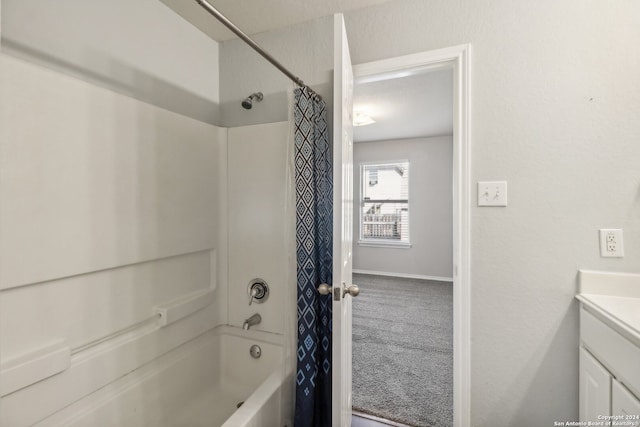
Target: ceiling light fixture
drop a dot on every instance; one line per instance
(361, 119)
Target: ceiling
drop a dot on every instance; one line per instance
(408, 106)
(418, 104)
(255, 16)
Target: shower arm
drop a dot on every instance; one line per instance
(248, 40)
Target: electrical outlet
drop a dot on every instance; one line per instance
(611, 244)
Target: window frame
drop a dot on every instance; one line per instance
(387, 243)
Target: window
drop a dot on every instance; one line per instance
(384, 203)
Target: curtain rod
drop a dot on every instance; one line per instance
(237, 31)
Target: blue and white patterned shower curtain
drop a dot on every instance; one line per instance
(314, 228)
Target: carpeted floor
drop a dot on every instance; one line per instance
(403, 350)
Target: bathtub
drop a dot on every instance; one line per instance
(248, 392)
(199, 384)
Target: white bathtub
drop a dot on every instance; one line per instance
(199, 384)
(259, 383)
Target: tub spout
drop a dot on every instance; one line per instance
(251, 321)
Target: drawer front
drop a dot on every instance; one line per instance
(615, 352)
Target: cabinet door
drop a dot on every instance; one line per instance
(623, 402)
(595, 388)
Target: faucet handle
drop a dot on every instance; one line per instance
(252, 294)
(258, 291)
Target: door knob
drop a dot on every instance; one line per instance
(324, 289)
(352, 290)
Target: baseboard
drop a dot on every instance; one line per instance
(404, 275)
(378, 419)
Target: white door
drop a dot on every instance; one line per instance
(342, 224)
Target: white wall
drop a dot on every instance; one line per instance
(109, 208)
(139, 48)
(257, 171)
(430, 208)
(554, 112)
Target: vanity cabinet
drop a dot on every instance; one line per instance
(609, 370)
(601, 394)
(609, 347)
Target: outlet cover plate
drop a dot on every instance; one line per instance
(611, 243)
(492, 193)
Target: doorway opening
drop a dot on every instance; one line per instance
(410, 254)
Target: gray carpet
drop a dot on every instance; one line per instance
(403, 350)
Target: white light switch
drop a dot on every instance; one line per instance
(492, 193)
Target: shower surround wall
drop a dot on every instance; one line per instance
(257, 171)
(138, 48)
(110, 209)
(306, 49)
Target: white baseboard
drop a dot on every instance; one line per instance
(404, 275)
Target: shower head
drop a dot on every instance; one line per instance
(248, 102)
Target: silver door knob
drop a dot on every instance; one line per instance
(352, 290)
(324, 289)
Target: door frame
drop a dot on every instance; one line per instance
(458, 59)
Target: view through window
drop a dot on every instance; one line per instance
(384, 201)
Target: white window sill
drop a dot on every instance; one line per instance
(384, 244)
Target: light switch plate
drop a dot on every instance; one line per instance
(492, 193)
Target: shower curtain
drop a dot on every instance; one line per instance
(314, 228)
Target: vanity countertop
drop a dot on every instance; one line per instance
(614, 298)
